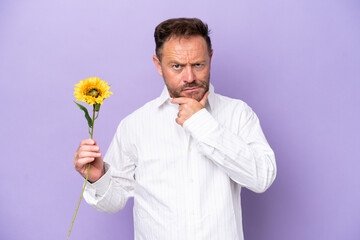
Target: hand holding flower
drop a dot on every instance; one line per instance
(89, 153)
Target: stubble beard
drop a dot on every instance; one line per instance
(195, 95)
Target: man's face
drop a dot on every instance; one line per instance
(185, 67)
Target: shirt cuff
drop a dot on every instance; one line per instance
(200, 123)
(99, 187)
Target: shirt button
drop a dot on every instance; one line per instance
(191, 180)
(189, 149)
(193, 212)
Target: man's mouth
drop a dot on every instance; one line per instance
(192, 89)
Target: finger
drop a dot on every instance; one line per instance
(180, 121)
(203, 100)
(180, 100)
(88, 154)
(88, 141)
(89, 148)
(79, 165)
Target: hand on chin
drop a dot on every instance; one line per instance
(196, 94)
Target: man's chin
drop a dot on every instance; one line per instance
(195, 95)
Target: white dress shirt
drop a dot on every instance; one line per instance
(186, 181)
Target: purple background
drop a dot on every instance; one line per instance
(296, 63)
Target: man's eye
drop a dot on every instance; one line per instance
(199, 65)
(176, 67)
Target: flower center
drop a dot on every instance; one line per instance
(93, 92)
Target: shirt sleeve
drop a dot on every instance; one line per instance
(110, 193)
(243, 154)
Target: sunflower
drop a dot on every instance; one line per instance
(92, 90)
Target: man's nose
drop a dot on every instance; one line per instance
(189, 74)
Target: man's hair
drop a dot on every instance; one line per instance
(180, 27)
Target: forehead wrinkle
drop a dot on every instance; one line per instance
(183, 57)
(181, 51)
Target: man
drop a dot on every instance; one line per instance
(185, 155)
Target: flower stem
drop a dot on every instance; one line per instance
(93, 120)
(87, 175)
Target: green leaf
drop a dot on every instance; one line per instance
(87, 116)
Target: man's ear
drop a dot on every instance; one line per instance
(210, 56)
(157, 64)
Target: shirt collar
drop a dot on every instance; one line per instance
(165, 97)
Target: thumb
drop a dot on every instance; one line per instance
(203, 100)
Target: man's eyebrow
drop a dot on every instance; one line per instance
(176, 63)
(183, 64)
(199, 62)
